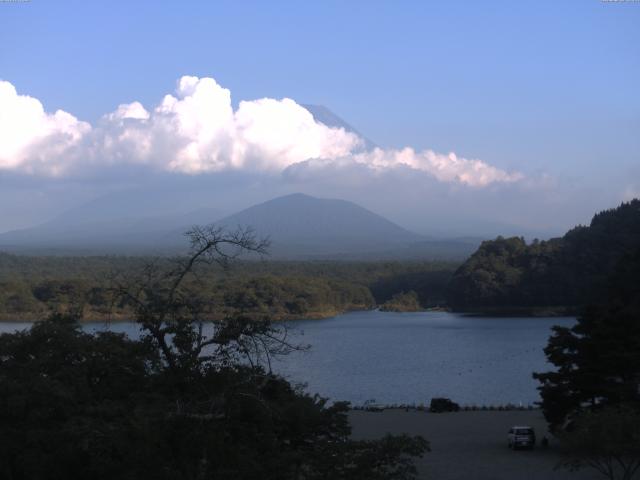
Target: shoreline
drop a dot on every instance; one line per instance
(121, 318)
(325, 314)
(526, 312)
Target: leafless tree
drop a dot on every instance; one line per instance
(172, 315)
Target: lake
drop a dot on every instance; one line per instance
(409, 358)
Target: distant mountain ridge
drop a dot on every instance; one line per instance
(299, 226)
(127, 234)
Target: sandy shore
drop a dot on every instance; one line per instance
(471, 445)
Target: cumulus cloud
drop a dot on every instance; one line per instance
(197, 131)
(31, 139)
(445, 168)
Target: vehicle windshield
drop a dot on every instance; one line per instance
(523, 431)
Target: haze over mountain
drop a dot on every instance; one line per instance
(299, 224)
(124, 235)
(299, 227)
(152, 217)
(134, 165)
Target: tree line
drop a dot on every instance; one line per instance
(561, 274)
(33, 287)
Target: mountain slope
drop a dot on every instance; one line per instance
(325, 116)
(81, 233)
(303, 225)
(299, 226)
(508, 273)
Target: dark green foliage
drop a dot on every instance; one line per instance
(30, 287)
(74, 405)
(597, 360)
(564, 272)
(281, 297)
(592, 399)
(17, 300)
(66, 400)
(193, 399)
(607, 440)
(429, 282)
(402, 302)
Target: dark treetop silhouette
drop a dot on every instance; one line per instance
(192, 399)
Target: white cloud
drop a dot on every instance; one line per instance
(283, 133)
(32, 140)
(129, 110)
(445, 168)
(197, 131)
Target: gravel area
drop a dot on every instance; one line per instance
(471, 445)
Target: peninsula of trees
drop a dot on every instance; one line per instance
(560, 275)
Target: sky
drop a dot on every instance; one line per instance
(508, 113)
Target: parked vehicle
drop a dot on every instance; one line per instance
(439, 405)
(521, 436)
(372, 406)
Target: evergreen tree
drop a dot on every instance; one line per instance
(598, 359)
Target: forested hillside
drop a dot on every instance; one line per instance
(558, 275)
(33, 287)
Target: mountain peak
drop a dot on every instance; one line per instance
(325, 116)
(316, 226)
(293, 196)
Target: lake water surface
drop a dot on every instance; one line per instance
(411, 357)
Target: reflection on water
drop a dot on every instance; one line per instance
(411, 357)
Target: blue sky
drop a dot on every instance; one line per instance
(542, 87)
